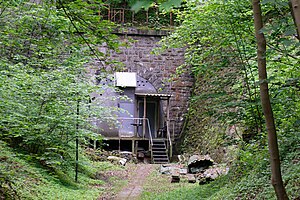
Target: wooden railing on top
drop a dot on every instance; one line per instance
(144, 17)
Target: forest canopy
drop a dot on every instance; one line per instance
(48, 48)
(45, 51)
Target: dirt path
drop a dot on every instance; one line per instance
(135, 185)
(137, 181)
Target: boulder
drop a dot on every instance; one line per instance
(119, 160)
(211, 174)
(198, 163)
(165, 169)
(191, 178)
(175, 175)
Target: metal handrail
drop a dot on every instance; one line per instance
(169, 139)
(139, 118)
(149, 129)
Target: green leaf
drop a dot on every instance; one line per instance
(168, 5)
(138, 5)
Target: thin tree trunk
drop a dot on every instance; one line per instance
(295, 4)
(266, 104)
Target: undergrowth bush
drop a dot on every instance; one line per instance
(23, 177)
(254, 182)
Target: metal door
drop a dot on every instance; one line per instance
(151, 114)
(126, 117)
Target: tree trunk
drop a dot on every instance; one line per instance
(295, 4)
(266, 104)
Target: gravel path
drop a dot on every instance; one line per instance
(135, 185)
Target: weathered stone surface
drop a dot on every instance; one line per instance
(158, 70)
(115, 159)
(183, 171)
(175, 175)
(198, 163)
(191, 178)
(165, 169)
(200, 168)
(211, 174)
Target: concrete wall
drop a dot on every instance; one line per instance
(157, 69)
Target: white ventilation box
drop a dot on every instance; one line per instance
(125, 79)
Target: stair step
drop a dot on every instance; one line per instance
(164, 156)
(159, 152)
(158, 149)
(160, 156)
(162, 145)
(161, 160)
(159, 145)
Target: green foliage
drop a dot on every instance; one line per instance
(248, 179)
(191, 191)
(219, 43)
(45, 51)
(220, 48)
(163, 4)
(23, 178)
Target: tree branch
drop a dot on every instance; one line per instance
(80, 34)
(280, 51)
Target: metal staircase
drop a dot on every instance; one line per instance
(159, 152)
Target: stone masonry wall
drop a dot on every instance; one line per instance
(158, 69)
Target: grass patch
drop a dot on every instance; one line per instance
(159, 187)
(255, 184)
(24, 178)
(157, 183)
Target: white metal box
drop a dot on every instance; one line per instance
(125, 79)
